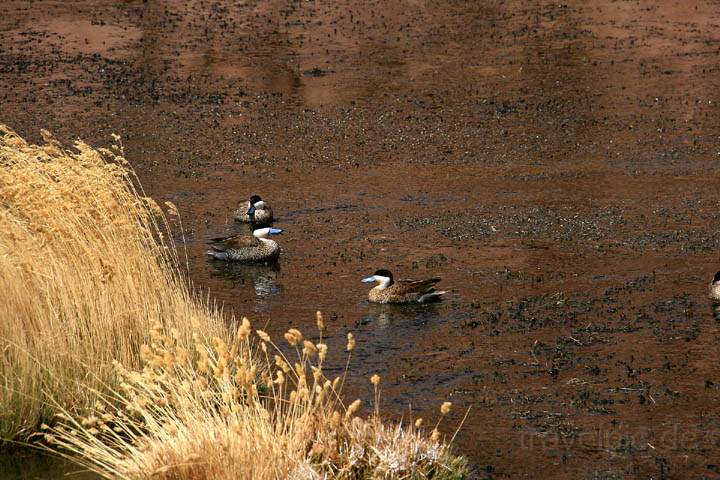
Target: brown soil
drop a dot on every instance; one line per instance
(555, 164)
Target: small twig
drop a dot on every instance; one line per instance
(532, 352)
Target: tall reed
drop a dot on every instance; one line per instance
(211, 410)
(104, 345)
(87, 268)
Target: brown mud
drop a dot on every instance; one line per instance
(556, 164)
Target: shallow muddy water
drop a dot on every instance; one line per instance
(556, 165)
(25, 465)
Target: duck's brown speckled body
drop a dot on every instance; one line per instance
(254, 210)
(714, 288)
(246, 248)
(402, 291)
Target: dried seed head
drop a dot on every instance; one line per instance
(319, 320)
(279, 362)
(350, 342)
(202, 365)
(293, 336)
(263, 335)
(146, 353)
(89, 421)
(309, 349)
(435, 436)
(322, 351)
(445, 408)
(353, 408)
(290, 339)
(220, 346)
(172, 208)
(156, 332)
(375, 379)
(336, 418)
(169, 360)
(303, 393)
(418, 423)
(243, 330)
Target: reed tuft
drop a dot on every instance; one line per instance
(112, 361)
(87, 269)
(224, 421)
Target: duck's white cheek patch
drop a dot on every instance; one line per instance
(261, 232)
(384, 281)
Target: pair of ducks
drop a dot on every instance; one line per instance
(249, 248)
(260, 248)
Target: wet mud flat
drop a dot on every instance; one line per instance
(556, 164)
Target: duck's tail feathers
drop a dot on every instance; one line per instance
(216, 239)
(217, 255)
(432, 297)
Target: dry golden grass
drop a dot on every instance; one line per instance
(86, 269)
(102, 339)
(208, 410)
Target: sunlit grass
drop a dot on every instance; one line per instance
(131, 375)
(211, 410)
(86, 269)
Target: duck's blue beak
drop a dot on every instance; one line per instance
(251, 210)
(275, 231)
(368, 279)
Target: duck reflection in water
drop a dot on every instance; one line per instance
(383, 316)
(263, 278)
(715, 311)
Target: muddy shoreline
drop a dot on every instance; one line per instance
(555, 164)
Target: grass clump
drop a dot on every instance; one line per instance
(209, 410)
(87, 268)
(103, 342)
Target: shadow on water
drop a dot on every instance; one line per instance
(26, 464)
(400, 317)
(262, 278)
(715, 306)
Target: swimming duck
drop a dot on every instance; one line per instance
(402, 291)
(245, 248)
(254, 210)
(715, 287)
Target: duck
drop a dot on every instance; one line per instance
(402, 291)
(254, 210)
(246, 248)
(714, 288)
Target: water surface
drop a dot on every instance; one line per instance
(555, 164)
